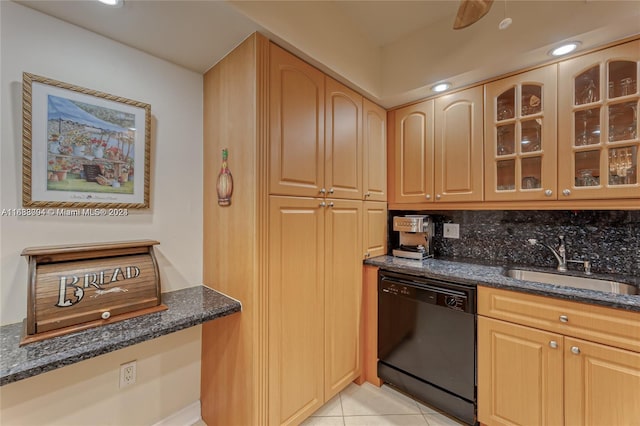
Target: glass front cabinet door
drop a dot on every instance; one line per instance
(598, 124)
(520, 136)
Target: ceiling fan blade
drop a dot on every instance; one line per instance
(470, 11)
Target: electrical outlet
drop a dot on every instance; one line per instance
(127, 374)
(451, 230)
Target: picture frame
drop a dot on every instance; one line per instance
(82, 148)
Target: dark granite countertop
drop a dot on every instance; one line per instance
(187, 308)
(494, 276)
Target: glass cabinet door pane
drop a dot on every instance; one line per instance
(623, 165)
(587, 168)
(622, 79)
(531, 172)
(531, 99)
(506, 173)
(506, 105)
(587, 127)
(623, 121)
(505, 139)
(531, 139)
(587, 86)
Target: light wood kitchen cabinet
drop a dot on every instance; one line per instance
(412, 168)
(598, 130)
(374, 229)
(343, 142)
(297, 126)
(438, 147)
(520, 136)
(374, 151)
(343, 294)
(548, 361)
(519, 375)
(458, 158)
(296, 308)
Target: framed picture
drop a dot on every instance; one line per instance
(82, 148)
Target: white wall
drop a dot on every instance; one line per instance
(36, 43)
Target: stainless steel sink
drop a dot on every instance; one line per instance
(570, 281)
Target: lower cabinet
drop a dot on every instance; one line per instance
(314, 298)
(531, 376)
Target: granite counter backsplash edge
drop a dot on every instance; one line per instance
(493, 276)
(187, 308)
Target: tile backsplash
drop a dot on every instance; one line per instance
(609, 239)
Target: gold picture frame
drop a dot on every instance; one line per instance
(82, 148)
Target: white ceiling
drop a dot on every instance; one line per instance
(393, 51)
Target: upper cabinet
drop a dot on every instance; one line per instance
(458, 146)
(437, 148)
(374, 151)
(297, 133)
(520, 136)
(343, 142)
(598, 131)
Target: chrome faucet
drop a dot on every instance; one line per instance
(561, 255)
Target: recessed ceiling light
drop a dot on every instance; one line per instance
(441, 87)
(565, 48)
(113, 3)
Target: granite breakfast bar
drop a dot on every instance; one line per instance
(187, 308)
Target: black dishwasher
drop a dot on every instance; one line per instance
(427, 341)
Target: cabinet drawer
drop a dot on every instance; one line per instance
(610, 326)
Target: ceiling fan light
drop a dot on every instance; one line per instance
(564, 49)
(441, 87)
(112, 3)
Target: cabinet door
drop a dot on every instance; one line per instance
(602, 384)
(375, 229)
(343, 294)
(459, 146)
(413, 153)
(519, 375)
(296, 116)
(520, 137)
(598, 133)
(296, 309)
(343, 142)
(375, 151)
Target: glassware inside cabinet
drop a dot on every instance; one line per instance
(531, 172)
(587, 168)
(505, 139)
(623, 165)
(623, 121)
(506, 174)
(587, 127)
(622, 78)
(505, 105)
(531, 131)
(531, 99)
(587, 86)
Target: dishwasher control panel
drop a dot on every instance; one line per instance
(428, 292)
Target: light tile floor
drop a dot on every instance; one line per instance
(368, 405)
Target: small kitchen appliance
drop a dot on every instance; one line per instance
(416, 233)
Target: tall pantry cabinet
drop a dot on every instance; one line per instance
(290, 245)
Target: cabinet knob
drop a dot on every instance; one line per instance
(548, 193)
(566, 192)
(428, 196)
(368, 194)
(106, 315)
(367, 254)
(564, 318)
(331, 204)
(323, 204)
(438, 196)
(331, 191)
(553, 344)
(575, 350)
(323, 191)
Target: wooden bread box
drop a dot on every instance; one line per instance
(74, 287)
